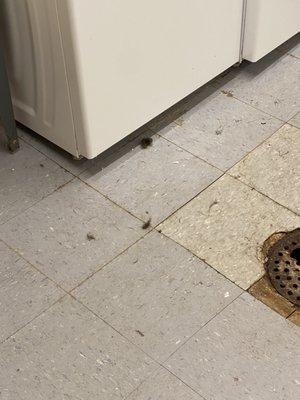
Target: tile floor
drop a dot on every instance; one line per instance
(93, 306)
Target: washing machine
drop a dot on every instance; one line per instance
(85, 74)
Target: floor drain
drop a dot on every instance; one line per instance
(283, 265)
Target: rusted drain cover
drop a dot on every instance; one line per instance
(283, 265)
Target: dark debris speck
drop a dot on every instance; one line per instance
(146, 142)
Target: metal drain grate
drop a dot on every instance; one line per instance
(283, 266)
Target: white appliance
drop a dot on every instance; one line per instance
(269, 23)
(86, 73)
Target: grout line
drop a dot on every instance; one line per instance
(108, 262)
(110, 200)
(46, 155)
(189, 152)
(38, 201)
(158, 363)
(263, 194)
(29, 322)
(205, 262)
(293, 312)
(203, 326)
(33, 266)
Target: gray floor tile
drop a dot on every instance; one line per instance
(68, 353)
(52, 235)
(271, 85)
(157, 294)
(164, 386)
(25, 178)
(274, 168)
(152, 182)
(226, 225)
(56, 154)
(24, 292)
(247, 352)
(295, 121)
(221, 130)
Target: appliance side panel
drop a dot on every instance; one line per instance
(65, 17)
(36, 69)
(269, 23)
(136, 58)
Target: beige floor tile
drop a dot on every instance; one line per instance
(274, 168)
(226, 226)
(295, 120)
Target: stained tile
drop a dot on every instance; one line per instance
(157, 294)
(226, 225)
(68, 353)
(221, 130)
(266, 293)
(246, 352)
(274, 168)
(25, 178)
(53, 234)
(164, 386)
(24, 292)
(152, 182)
(295, 318)
(271, 85)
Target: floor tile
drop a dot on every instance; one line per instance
(264, 291)
(221, 130)
(295, 318)
(24, 292)
(226, 225)
(164, 386)
(271, 85)
(157, 294)
(53, 234)
(152, 182)
(56, 154)
(274, 168)
(25, 178)
(247, 352)
(295, 121)
(68, 353)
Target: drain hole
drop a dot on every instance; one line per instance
(295, 254)
(282, 264)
